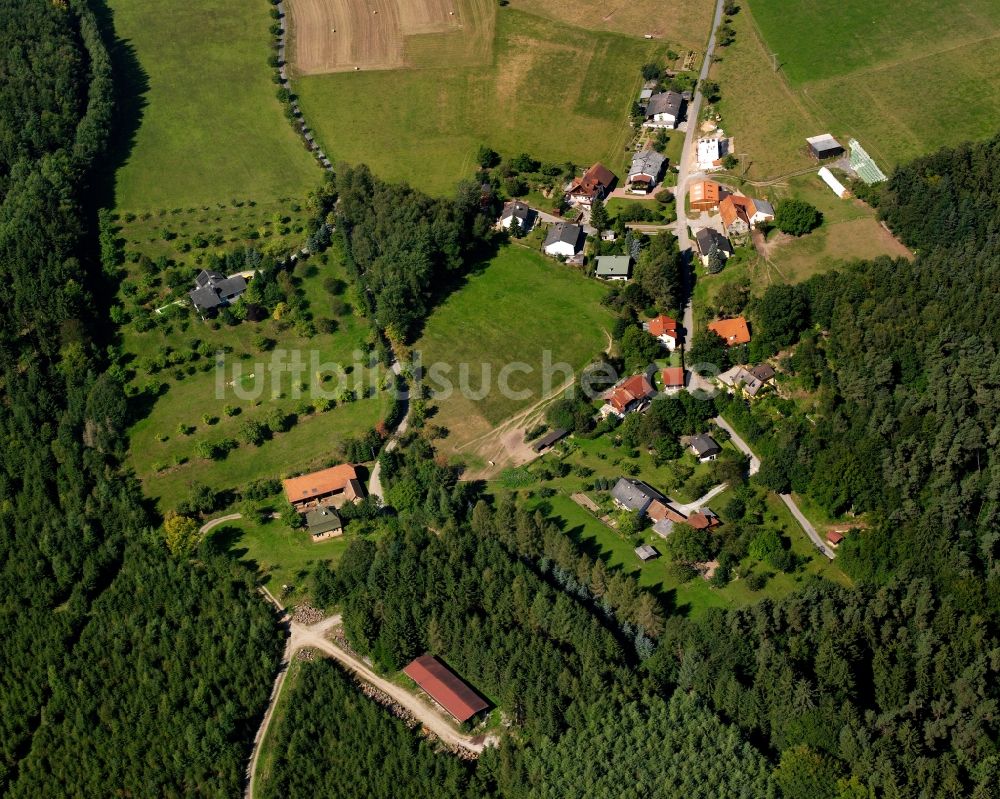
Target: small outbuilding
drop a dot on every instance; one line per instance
(646, 552)
(824, 146)
(550, 438)
(324, 522)
(704, 447)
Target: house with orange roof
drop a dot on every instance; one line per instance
(732, 331)
(705, 195)
(664, 328)
(673, 378)
(630, 395)
(741, 213)
(334, 486)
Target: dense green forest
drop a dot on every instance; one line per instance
(404, 248)
(116, 677)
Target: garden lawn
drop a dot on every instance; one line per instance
(211, 127)
(558, 92)
(280, 555)
(514, 309)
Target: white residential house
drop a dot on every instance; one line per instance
(564, 239)
(613, 267)
(711, 151)
(520, 211)
(664, 110)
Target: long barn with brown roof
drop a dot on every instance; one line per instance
(445, 687)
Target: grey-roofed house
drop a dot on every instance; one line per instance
(520, 211)
(632, 494)
(764, 372)
(324, 522)
(565, 239)
(708, 236)
(664, 110)
(213, 290)
(664, 527)
(645, 172)
(646, 552)
(613, 267)
(705, 447)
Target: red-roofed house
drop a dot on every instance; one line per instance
(673, 378)
(594, 184)
(703, 519)
(665, 329)
(630, 395)
(445, 687)
(834, 538)
(732, 331)
(335, 485)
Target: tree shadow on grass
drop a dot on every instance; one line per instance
(131, 85)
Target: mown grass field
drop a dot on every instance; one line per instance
(211, 127)
(559, 92)
(516, 308)
(903, 78)
(681, 24)
(165, 459)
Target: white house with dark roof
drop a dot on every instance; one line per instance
(664, 110)
(645, 172)
(214, 290)
(520, 211)
(564, 239)
(709, 237)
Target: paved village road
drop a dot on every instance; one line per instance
(786, 498)
(683, 177)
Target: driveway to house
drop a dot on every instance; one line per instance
(375, 478)
(701, 502)
(684, 176)
(786, 498)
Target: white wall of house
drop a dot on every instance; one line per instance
(668, 341)
(560, 248)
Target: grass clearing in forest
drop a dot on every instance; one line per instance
(515, 308)
(558, 92)
(211, 127)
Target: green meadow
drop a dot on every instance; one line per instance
(903, 78)
(558, 92)
(515, 308)
(211, 127)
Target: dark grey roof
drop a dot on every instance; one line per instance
(647, 162)
(550, 438)
(231, 286)
(516, 209)
(205, 298)
(206, 276)
(323, 520)
(708, 236)
(565, 232)
(613, 266)
(665, 103)
(634, 494)
(763, 371)
(703, 444)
